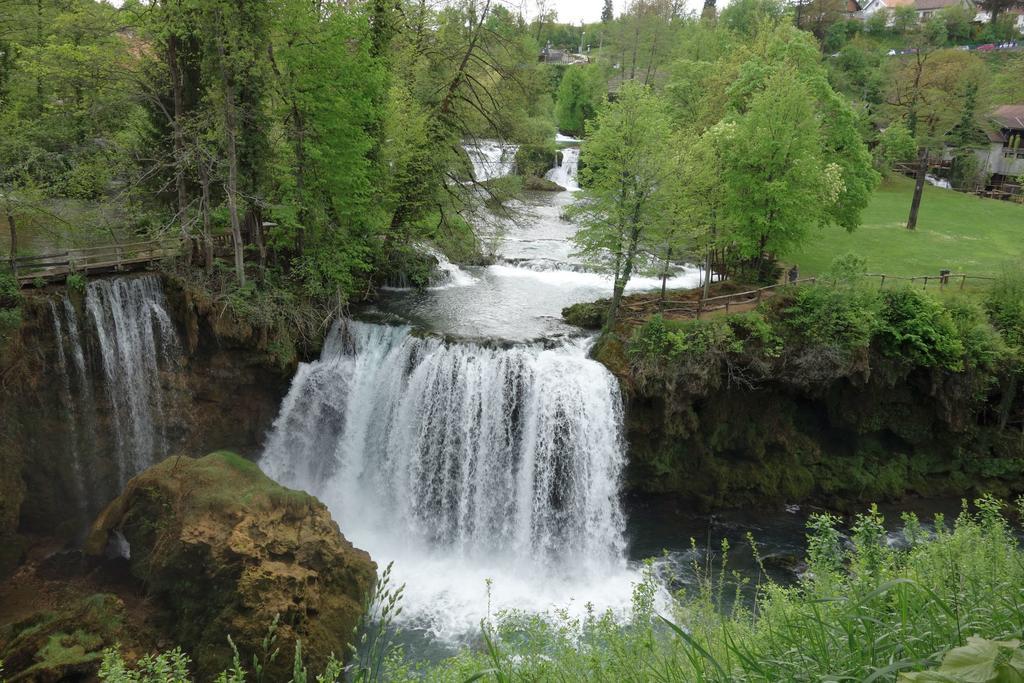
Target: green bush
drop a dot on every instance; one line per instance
(1005, 306)
(76, 282)
(845, 319)
(920, 330)
(695, 339)
(10, 304)
(867, 611)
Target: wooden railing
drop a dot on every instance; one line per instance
(725, 302)
(108, 258)
(943, 281)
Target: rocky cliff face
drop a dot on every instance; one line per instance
(59, 448)
(837, 442)
(223, 550)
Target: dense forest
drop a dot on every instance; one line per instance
(320, 143)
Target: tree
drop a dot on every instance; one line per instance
(927, 90)
(958, 22)
(579, 96)
(607, 12)
(817, 16)
(904, 19)
(625, 167)
(749, 16)
(696, 216)
(778, 183)
(996, 7)
(895, 144)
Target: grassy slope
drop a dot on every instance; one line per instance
(961, 232)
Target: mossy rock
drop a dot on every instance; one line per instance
(590, 316)
(536, 184)
(65, 644)
(222, 549)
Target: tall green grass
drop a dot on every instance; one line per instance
(864, 610)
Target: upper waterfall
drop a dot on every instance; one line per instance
(487, 460)
(491, 158)
(564, 173)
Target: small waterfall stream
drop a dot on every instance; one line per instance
(117, 352)
(565, 172)
(135, 334)
(477, 462)
(491, 159)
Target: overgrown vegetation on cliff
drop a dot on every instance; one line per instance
(942, 600)
(838, 391)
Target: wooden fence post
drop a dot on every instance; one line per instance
(963, 281)
(882, 286)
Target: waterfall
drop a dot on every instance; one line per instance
(564, 173)
(135, 338)
(109, 364)
(65, 315)
(479, 462)
(491, 159)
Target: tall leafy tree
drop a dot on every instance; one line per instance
(778, 183)
(607, 13)
(625, 169)
(927, 92)
(579, 95)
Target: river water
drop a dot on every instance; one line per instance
(474, 444)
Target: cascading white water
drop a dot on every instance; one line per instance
(565, 173)
(491, 159)
(71, 406)
(463, 462)
(135, 338)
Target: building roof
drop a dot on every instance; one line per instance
(927, 5)
(897, 3)
(1009, 116)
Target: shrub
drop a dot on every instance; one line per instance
(10, 304)
(1005, 305)
(731, 334)
(866, 611)
(76, 282)
(983, 346)
(895, 144)
(839, 318)
(920, 330)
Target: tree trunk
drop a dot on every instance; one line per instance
(179, 139)
(664, 277)
(230, 126)
(204, 179)
(915, 204)
(707, 272)
(636, 39)
(14, 242)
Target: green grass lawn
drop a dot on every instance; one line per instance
(958, 231)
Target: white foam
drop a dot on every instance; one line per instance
(688, 278)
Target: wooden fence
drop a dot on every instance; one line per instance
(108, 258)
(955, 279)
(723, 302)
(753, 297)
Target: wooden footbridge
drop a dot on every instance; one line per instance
(111, 258)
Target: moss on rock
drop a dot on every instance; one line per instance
(65, 644)
(222, 549)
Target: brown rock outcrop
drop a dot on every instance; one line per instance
(222, 549)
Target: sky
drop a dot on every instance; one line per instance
(569, 11)
(574, 11)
